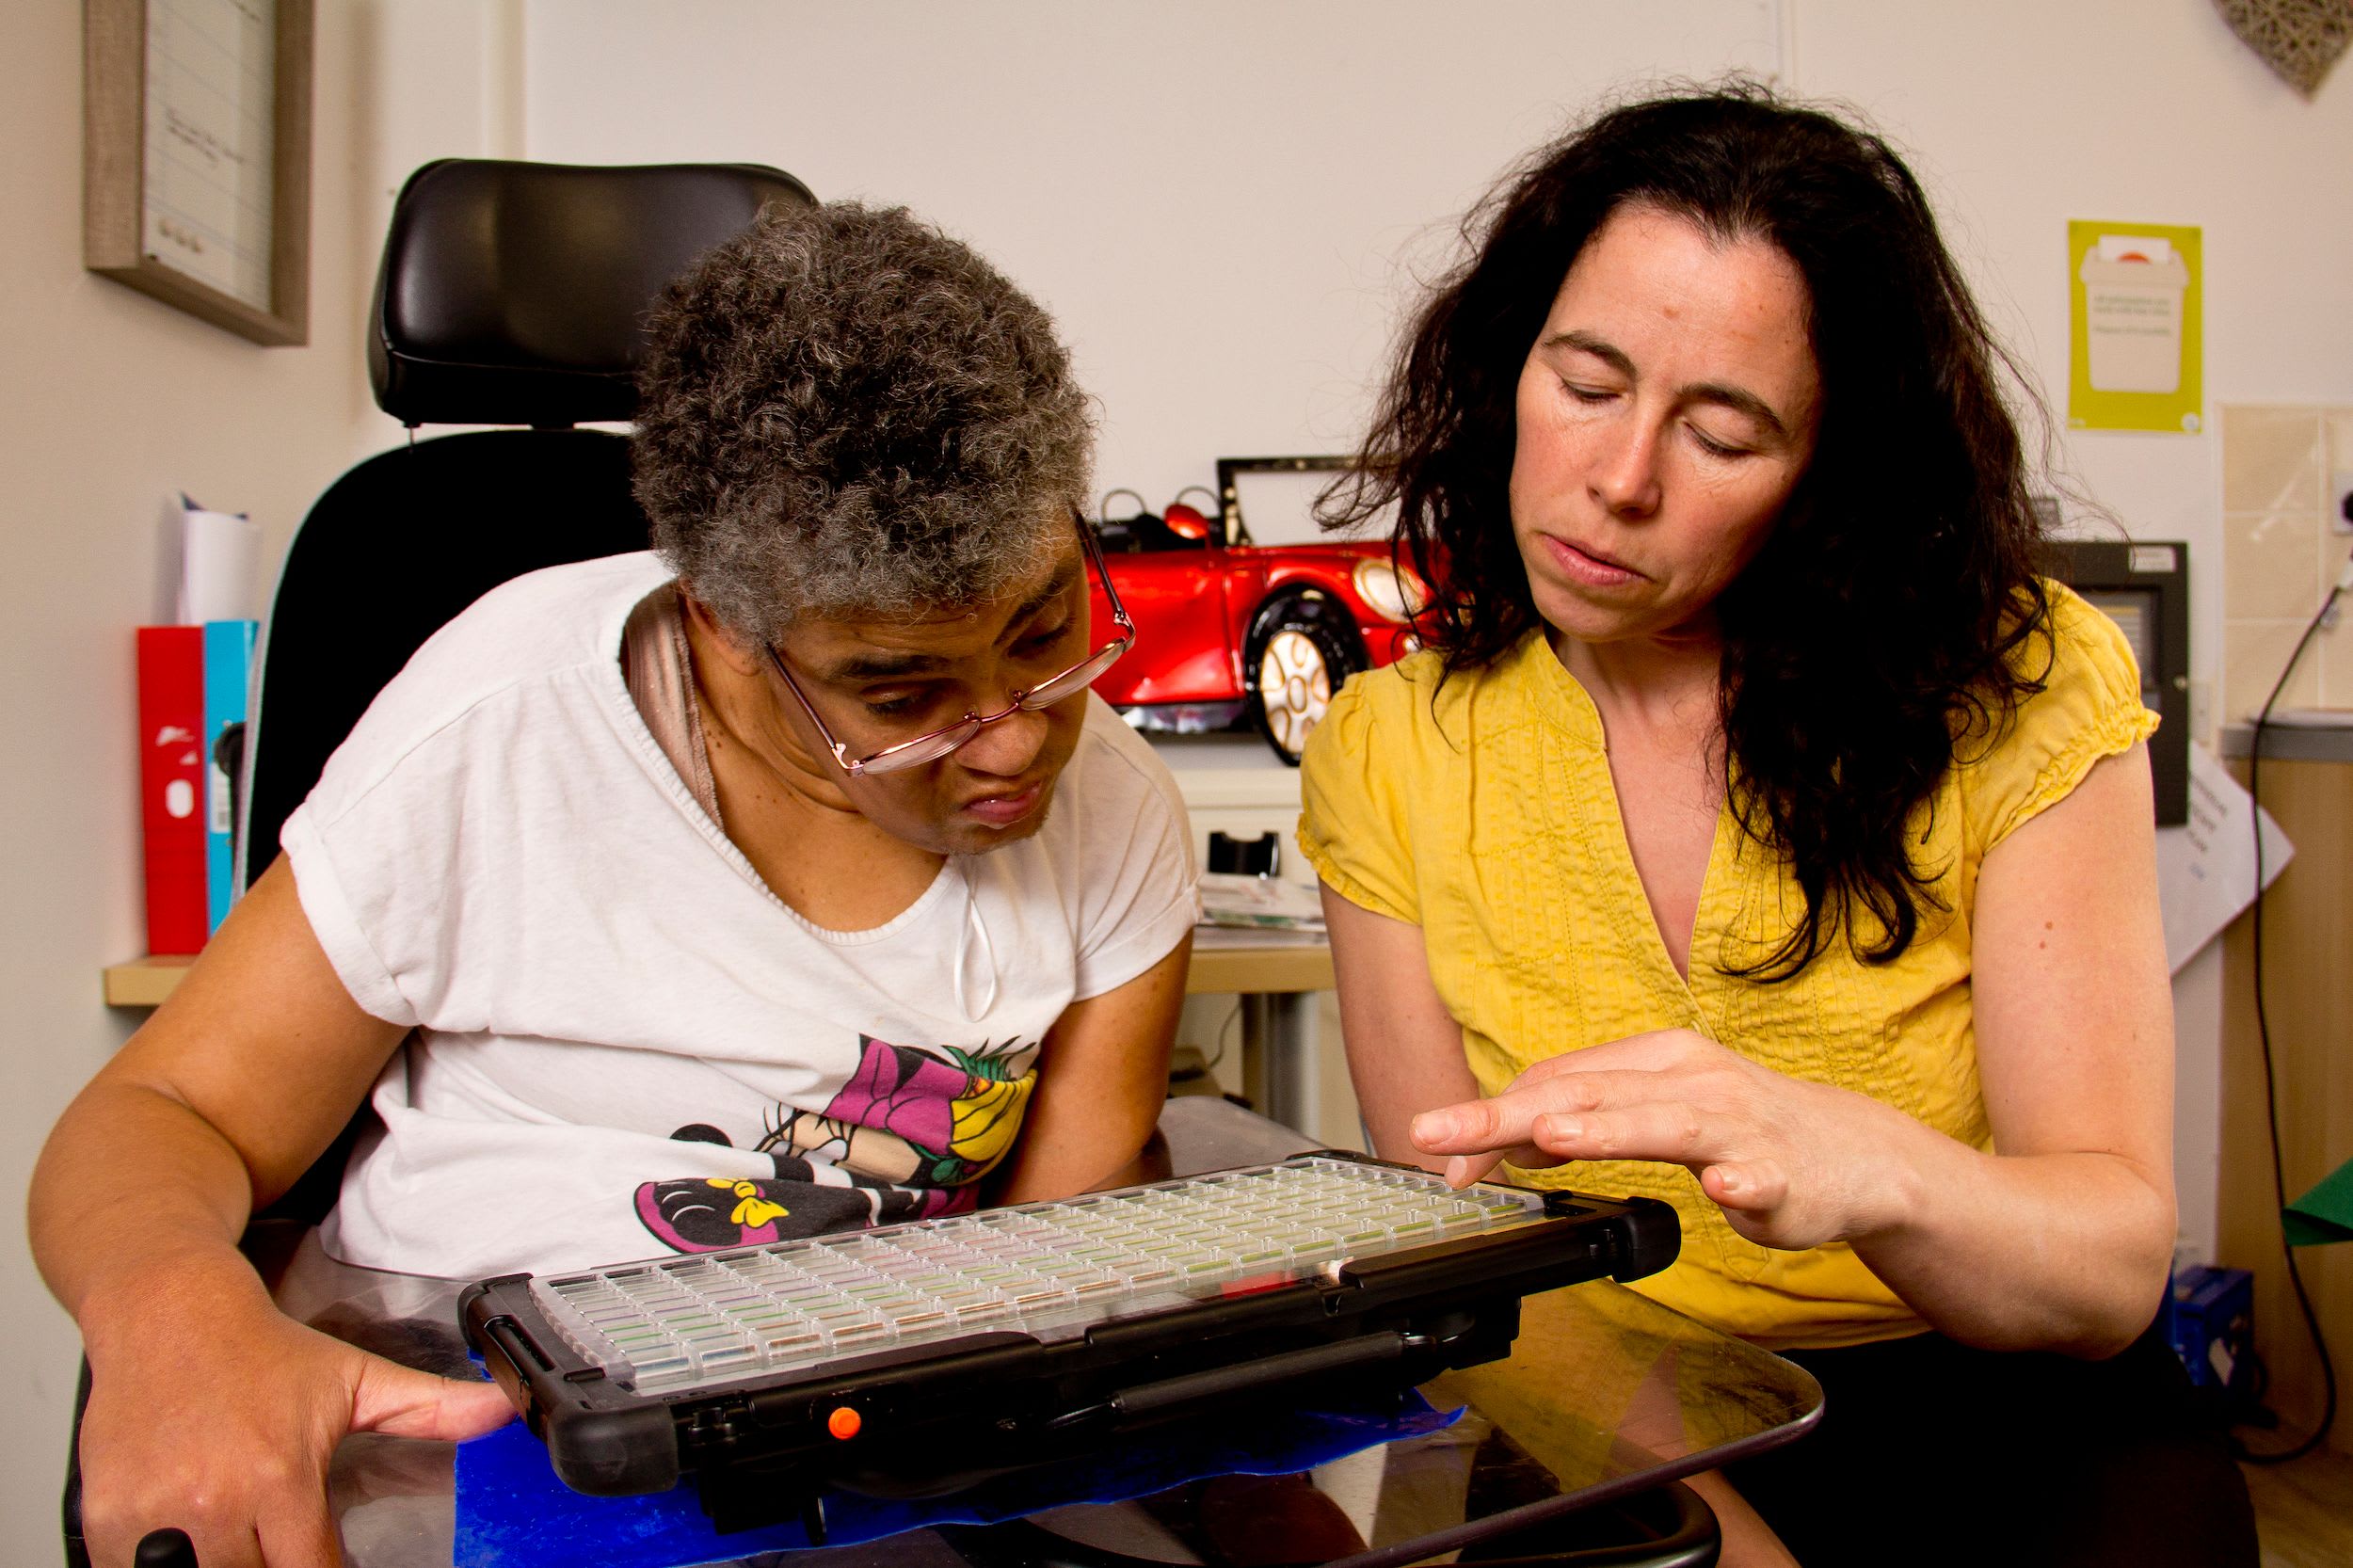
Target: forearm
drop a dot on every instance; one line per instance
(1404, 1050)
(135, 1201)
(1748, 1542)
(2061, 1251)
(2063, 1242)
(210, 1411)
(2057, 1246)
(1103, 1076)
(219, 1102)
(1392, 1089)
(1067, 1148)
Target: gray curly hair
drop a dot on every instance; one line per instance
(844, 412)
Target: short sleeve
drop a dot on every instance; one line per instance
(413, 854)
(1138, 880)
(381, 862)
(1352, 824)
(2090, 709)
(327, 903)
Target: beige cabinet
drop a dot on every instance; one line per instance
(2308, 996)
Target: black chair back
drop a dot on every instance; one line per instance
(514, 293)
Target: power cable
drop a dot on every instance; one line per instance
(2263, 1034)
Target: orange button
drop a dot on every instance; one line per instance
(843, 1423)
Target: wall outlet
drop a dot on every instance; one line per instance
(2341, 500)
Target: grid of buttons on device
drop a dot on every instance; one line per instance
(712, 1319)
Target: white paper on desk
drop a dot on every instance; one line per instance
(2206, 867)
(1235, 939)
(221, 554)
(1233, 899)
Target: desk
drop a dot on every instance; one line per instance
(1225, 963)
(1604, 1395)
(1237, 962)
(1277, 974)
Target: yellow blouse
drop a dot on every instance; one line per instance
(1482, 811)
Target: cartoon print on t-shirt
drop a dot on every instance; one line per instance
(713, 1213)
(913, 1119)
(906, 1138)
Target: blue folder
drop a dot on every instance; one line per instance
(512, 1511)
(228, 676)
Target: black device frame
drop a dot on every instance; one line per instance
(1229, 472)
(763, 1447)
(2159, 568)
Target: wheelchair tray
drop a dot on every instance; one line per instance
(918, 1358)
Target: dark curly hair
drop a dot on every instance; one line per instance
(1882, 630)
(845, 412)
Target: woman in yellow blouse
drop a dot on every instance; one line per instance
(1758, 832)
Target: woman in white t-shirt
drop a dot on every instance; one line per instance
(783, 879)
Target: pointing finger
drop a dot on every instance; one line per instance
(1658, 1129)
(1461, 1170)
(1495, 1126)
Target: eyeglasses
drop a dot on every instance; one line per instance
(934, 744)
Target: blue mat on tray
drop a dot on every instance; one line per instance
(513, 1512)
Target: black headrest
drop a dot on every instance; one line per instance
(515, 293)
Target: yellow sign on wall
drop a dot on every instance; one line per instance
(2135, 328)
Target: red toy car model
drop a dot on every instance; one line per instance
(1227, 630)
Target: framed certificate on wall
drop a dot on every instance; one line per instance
(196, 157)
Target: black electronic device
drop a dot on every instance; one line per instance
(2144, 587)
(918, 1358)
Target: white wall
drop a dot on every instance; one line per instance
(1218, 199)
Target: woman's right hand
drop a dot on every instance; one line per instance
(210, 1411)
(1792, 1163)
(222, 1422)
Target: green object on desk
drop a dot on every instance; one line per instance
(2323, 1214)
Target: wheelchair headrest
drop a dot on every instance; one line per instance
(515, 293)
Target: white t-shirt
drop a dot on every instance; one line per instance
(624, 1042)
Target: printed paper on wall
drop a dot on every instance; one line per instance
(2134, 328)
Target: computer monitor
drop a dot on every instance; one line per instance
(2144, 587)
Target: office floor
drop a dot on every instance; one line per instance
(2304, 1511)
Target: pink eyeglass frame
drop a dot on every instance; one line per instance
(932, 745)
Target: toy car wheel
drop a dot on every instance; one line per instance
(1301, 653)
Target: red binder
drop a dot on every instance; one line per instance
(171, 784)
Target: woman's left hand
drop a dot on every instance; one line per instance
(1792, 1163)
